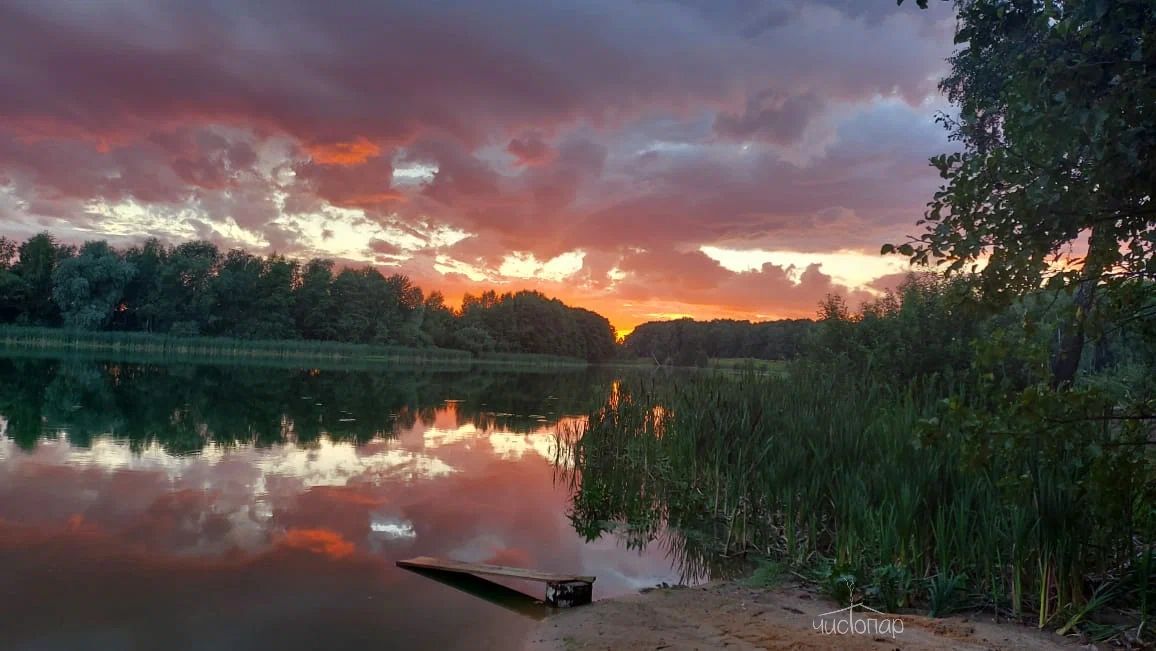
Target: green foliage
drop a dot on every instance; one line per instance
(924, 327)
(474, 339)
(685, 342)
(253, 297)
(194, 289)
(917, 448)
(7, 253)
(1057, 131)
(437, 324)
(184, 408)
(768, 574)
(890, 587)
(946, 594)
(36, 263)
(314, 303)
(142, 300)
(1057, 122)
(15, 338)
(838, 581)
(529, 322)
(184, 293)
(89, 286)
(13, 296)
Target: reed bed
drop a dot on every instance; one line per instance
(824, 470)
(158, 346)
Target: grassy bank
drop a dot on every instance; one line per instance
(842, 478)
(162, 347)
(740, 364)
(748, 364)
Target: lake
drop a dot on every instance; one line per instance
(160, 506)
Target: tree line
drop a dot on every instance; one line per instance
(686, 342)
(195, 289)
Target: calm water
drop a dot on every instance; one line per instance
(202, 507)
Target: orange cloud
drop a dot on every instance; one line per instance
(318, 541)
(526, 146)
(370, 200)
(354, 152)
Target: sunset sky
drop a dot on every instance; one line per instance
(647, 159)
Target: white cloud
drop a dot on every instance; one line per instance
(525, 265)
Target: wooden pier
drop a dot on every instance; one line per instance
(562, 590)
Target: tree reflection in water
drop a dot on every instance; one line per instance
(623, 483)
(184, 408)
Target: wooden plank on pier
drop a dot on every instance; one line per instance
(484, 569)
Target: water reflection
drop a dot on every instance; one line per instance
(209, 507)
(495, 593)
(187, 407)
(623, 486)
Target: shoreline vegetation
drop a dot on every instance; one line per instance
(251, 306)
(196, 290)
(140, 346)
(984, 439)
(938, 478)
(155, 347)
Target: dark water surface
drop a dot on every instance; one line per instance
(214, 507)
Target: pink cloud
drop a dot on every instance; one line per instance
(602, 127)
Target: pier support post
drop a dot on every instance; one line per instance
(569, 593)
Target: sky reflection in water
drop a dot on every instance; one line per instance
(289, 545)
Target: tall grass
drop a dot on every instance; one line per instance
(165, 346)
(825, 470)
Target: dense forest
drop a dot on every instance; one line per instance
(196, 289)
(686, 342)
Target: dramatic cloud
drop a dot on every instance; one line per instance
(780, 119)
(626, 136)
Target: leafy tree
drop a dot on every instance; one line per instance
(437, 320)
(313, 302)
(253, 297)
(7, 254)
(13, 289)
(38, 257)
(530, 322)
(681, 340)
(1057, 122)
(234, 288)
(359, 296)
(1046, 213)
(193, 289)
(275, 299)
(924, 327)
(598, 337)
(474, 339)
(88, 287)
(402, 311)
(185, 299)
(142, 293)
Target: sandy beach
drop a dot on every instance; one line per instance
(729, 615)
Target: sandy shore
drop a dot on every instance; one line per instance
(727, 615)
